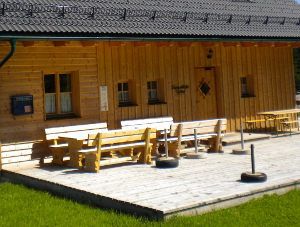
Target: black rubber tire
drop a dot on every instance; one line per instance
(164, 162)
(253, 177)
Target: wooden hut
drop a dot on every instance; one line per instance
(94, 61)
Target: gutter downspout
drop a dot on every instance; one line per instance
(13, 43)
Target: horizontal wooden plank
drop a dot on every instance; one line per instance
(158, 126)
(15, 153)
(196, 124)
(190, 131)
(114, 133)
(77, 135)
(69, 128)
(21, 146)
(115, 147)
(146, 121)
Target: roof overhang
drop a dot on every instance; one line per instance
(140, 38)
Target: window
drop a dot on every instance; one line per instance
(60, 95)
(126, 93)
(123, 92)
(155, 92)
(152, 91)
(246, 86)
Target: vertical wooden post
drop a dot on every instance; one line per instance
(147, 156)
(218, 142)
(180, 128)
(98, 156)
(0, 149)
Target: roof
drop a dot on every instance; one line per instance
(205, 18)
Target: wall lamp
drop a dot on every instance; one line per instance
(210, 54)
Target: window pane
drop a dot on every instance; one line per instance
(65, 82)
(126, 96)
(149, 94)
(148, 85)
(243, 80)
(125, 87)
(50, 101)
(154, 85)
(154, 94)
(244, 89)
(120, 98)
(66, 103)
(49, 81)
(119, 86)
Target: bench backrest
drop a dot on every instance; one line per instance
(203, 126)
(55, 132)
(121, 136)
(159, 123)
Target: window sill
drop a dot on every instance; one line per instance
(127, 105)
(247, 96)
(61, 117)
(156, 103)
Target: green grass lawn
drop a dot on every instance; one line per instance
(21, 207)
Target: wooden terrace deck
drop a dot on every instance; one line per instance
(196, 186)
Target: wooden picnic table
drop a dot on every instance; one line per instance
(75, 142)
(276, 115)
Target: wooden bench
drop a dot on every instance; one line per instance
(60, 150)
(210, 130)
(288, 124)
(160, 123)
(118, 140)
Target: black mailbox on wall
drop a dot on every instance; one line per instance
(22, 105)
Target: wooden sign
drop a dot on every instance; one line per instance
(103, 98)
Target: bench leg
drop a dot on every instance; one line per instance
(174, 150)
(144, 158)
(214, 146)
(75, 157)
(92, 164)
(58, 154)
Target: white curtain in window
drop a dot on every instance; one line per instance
(50, 104)
(66, 103)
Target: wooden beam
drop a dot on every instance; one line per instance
(230, 44)
(265, 44)
(282, 45)
(61, 43)
(116, 43)
(295, 44)
(185, 44)
(249, 44)
(87, 43)
(163, 44)
(208, 44)
(28, 43)
(141, 44)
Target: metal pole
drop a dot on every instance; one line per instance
(166, 144)
(196, 143)
(242, 136)
(252, 159)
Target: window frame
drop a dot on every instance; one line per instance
(160, 92)
(75, 96)
(246, 82)
(131, 93)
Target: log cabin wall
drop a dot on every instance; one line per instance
(267, 66)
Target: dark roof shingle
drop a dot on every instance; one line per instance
(255, 18)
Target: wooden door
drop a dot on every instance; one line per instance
(206, 98)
